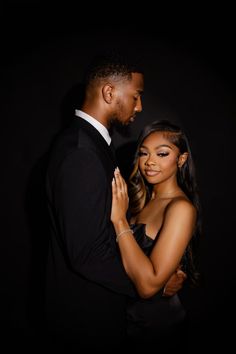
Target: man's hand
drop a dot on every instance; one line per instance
(175, 283)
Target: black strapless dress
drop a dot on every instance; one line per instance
(157, 319)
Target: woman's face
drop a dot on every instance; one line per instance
(158, 158)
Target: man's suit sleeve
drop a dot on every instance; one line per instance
(82, 203)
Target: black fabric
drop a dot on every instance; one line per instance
(158, 320)
(86, 282)
(113, 150)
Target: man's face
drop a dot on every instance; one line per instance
(127, 99)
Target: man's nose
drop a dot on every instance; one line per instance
(138, 107)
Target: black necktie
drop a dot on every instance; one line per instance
(113, 150)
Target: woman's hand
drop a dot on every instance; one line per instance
(120, 199)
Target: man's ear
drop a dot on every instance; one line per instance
(107, 92)
(182, 159)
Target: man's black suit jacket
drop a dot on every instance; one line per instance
(86, 282)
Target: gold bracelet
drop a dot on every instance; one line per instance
(122, 232)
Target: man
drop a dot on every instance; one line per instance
(86, 282)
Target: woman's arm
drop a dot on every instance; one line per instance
(151, 274)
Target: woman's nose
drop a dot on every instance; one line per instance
(150, 161)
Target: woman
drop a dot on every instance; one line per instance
(161, 233)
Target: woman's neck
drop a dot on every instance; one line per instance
(165, 191)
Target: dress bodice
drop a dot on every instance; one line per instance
(144, 241)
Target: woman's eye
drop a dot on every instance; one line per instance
(163, 154)
(142, 153)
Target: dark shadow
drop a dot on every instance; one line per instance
(38, 221)
(71, 101)
(123, 130)
(125, 157)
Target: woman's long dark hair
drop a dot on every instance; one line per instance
(140, 190)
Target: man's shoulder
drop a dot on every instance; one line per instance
(73, 137)
(73, 140)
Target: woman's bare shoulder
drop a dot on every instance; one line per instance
(181, 204)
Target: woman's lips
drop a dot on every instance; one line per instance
(151, 173)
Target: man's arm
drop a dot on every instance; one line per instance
(175, 283)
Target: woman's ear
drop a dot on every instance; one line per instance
(107, 93)
(182, 159)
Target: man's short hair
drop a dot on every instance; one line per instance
(111, 65)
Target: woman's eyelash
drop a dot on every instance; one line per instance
(161, 154)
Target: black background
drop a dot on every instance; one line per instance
(189, 78)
